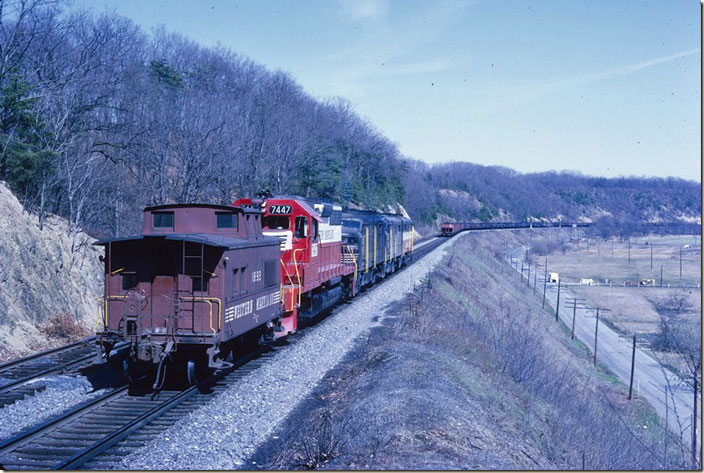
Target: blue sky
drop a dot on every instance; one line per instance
(604, 87)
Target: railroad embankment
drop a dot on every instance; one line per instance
(469, 372)
(48, 293)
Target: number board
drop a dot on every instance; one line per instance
(279, 209)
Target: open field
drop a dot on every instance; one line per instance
(608, 261)
(634, 309)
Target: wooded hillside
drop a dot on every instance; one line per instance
(473, 192)
(99, 119)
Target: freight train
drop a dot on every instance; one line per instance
(202, 282)
(452, 228)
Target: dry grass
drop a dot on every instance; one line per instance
(64, 328)
(470, 373)
(633, 309)
(599, 261)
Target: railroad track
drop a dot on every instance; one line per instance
(15, 375)
(100, 432)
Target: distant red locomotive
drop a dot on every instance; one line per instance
(187, 289)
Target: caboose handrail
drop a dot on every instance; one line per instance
(209, 301)
(105, 311)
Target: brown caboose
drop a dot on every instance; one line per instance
(199, 280)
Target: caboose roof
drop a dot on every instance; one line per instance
(211, 240)
(229, 208)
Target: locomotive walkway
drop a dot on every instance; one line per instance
(671, 397)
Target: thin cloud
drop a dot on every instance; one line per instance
(388, 46)
(521, 94)
(631, 68)
(364, 10)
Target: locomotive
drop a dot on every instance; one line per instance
(203, 282)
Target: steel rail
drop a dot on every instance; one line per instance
(14, 383)
(12, 363)
(34, 432)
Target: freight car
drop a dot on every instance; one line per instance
(449, 229)
(199, 280)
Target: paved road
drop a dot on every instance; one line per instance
(650, 379)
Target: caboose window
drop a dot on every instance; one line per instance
(226, 220)
(276, 222)
(163, 219)
(271, 273)
(200, 285)
(129, 281)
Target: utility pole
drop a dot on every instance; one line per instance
(545, 281)
(633, 368)
(596, 329)
(577, 303)
(596, 334)
(694, 426)
(557, 308)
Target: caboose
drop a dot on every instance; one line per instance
(198, 281)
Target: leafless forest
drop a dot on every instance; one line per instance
(99, 118)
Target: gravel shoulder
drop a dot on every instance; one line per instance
(226, 431)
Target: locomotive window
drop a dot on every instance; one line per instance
(226, 220)
(129, 281)
(315, 229)
(163, 219)
(301, 227)
(276, 222)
